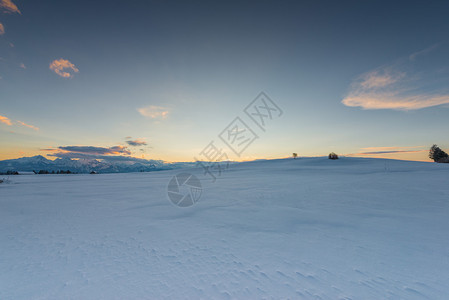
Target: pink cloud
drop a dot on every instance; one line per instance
(28, 125)
(402, 85)
(154, 112)
(379, 151)
(378, 79)
(5, 120)
(9, 7)
(391, 101)
(63, 68)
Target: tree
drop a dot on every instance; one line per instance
(332, 155)
(437, 154)
(295, 155)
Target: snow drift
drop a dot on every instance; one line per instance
(306, 228)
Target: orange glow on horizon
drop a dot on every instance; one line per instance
(6, 154)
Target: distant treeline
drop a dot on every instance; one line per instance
(10, 172)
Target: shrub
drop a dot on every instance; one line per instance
(333, 155)
(437, 154)
(295, 155)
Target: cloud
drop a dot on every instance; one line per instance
(380, 78)
(392, 101)
(154, 112)
(2, 29)
(137, 142)
(413, 56)
(49, 150)
(5, 120)
(96, 150)
(9, 7)
(28, 125)
(404, 85)
(63, 67)
(388, 150)
(75, 155)
(116, 153)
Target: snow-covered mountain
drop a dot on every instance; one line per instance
(39, 162)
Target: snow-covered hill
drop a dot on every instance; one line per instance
(285, 229)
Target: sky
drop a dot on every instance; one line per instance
(182, 80)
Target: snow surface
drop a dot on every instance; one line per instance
(308, 228)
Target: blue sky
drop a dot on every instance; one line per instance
(162, 79)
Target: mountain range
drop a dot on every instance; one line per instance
(39, 162)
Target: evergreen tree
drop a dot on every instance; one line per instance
(437, 154)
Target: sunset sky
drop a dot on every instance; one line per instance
(163, 79)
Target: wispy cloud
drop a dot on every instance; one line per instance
(63, 68)
(375, 151)
(76, 155)
(137, 142)
(389, 148)
(154, 112)
(392, 101)
(96, 150)
(404, 85)
(380, 78)
(9, 7)
(28, 125)
(50, 149)
(2, 29)
(5, 120)
(390, 152)
(413, 56)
